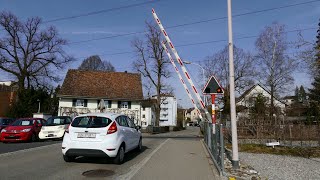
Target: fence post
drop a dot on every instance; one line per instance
(221, 148)
(209, 132)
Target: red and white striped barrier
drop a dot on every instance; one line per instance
(185, 72)
(180, 77)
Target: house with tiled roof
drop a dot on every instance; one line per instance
(86, 91)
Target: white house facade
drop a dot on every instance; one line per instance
(168, 112)
(247, 98)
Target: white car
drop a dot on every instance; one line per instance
(101, 135)
(55, 127)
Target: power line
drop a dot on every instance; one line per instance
(202, 21)
(101, 11)
(205, 42)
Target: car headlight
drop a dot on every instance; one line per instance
(26, 130)
(3, 130)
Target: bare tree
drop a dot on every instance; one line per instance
(275, 66)
(95, 63)
(152, 64)
(307, 55)
(218, 65)
(29, 52)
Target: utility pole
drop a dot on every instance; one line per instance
(235, 154)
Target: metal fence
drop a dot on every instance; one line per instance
(214, 142)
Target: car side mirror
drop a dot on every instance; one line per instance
(138, 127)
(39, 125)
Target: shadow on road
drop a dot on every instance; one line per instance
(98, 160)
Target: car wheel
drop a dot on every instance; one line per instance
(139, 147)
(33, 138)
(68, 158)
(120, 156)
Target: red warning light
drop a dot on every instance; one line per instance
(219, 90)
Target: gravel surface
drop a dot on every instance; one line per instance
(282, 167)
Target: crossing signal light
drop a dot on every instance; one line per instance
(219, 90)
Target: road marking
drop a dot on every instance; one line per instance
(28, 150)
(129, 175)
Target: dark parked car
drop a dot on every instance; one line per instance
(26, 129)
(4, 122)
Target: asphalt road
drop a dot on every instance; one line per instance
(43, 160)
(11, 147)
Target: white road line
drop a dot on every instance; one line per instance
(28, 150)
(129, 175)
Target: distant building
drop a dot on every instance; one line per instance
(289, 100)
(148, 113)
(192, 114)
(247, 99)
(168, 112)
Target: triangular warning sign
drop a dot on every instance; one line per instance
(212, 87)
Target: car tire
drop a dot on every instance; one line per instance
(68, 158)
(139, 147)
(33, 138)
(120, 155)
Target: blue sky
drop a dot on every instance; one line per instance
(171, 13)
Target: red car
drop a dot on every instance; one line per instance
(26, 129)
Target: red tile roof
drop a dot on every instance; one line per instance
(100, 84)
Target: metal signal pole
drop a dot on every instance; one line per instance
(235, 154)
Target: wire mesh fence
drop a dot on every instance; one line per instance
(213, 138)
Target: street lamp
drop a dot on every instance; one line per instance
(203, 77)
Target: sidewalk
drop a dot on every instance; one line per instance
(189, 132)
(178, 159)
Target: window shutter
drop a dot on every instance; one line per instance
(85, 102)
(119, 104)
(109, 103)
(129, 104)
(74, 102)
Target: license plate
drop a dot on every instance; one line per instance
(50, 135)
(86, 135)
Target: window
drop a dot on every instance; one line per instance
(80, 102)
(131, 123)
(122, 121)
(39, 121)
(91, 122)
(124, 105)
(143, 109)
(143, 116)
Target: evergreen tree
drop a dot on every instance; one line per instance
(296, 94)
(302, 94)
(314, 92)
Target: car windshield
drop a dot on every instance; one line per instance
(5, 121)
(23, 122)
(91, 122)
(55, 121)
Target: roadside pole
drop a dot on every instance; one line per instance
(213, 112)
(235, 155)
